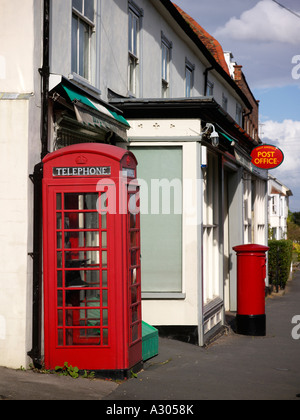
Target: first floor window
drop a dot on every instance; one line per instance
(224, 102)
(132, 74)
(189, 78)
(165, 65)
(82, 30)
(210, 88)
(239, 115)
(134, 26)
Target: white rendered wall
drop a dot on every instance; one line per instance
(182, 311)
(20, 110)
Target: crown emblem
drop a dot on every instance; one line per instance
(81, 160)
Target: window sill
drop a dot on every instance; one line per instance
(163, 296)
(79, 80)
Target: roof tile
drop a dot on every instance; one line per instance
(213, 46)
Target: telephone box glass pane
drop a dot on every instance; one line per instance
(60, 338)
(134, 297)
(133, 238)
(104, 258)
(104, 239)
(60, 319)
(81, 239)
(59, 259)
(58, 201)
(80, 278)
(133, 276)
(135, 332)
(104, 220)
(132, 220)
(81, 201)
(104, 278)
(58, 221)
(133, 257)
(59, 298)
(59, 279)
(104, 298)
(82, 220)
(105, 317)
(59, 240)
(105, 337)
(77, 259)
(134, 314)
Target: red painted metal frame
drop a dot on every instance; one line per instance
(120, 352)
(251, 274)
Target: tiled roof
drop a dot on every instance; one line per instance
(213, 46)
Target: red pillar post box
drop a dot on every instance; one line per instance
(251, 274)
(92, 287)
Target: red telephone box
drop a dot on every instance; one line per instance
(92, 287)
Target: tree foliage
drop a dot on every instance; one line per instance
(293, 227)
(280, 259)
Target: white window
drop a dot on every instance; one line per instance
(247, 204)
(189, 78)
(239, 115)
(211, 283)
(224, 102)
(166, 46)
(274, 204)
(82, 31)
(134, 26)
(259, 211)
(210, 88)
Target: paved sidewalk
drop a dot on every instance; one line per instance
(28, 385)
(233, 368)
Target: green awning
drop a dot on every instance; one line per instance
(76, 96)
(227, 137)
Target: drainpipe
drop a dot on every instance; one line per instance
(45, 73)
(35, 352)
(246, 114)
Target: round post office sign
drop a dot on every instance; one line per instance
(267, 157)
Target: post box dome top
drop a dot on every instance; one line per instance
(251, 248)
(113, 152)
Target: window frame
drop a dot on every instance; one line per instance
(135, 14)
(166, 56)
(211, 228)
(239, 114)
(158, 287)
(224, 102)
(80, 58)
(210, 88)
(189, 70)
